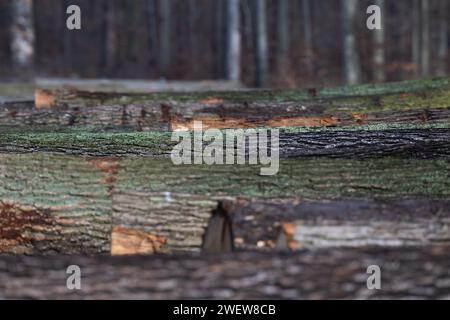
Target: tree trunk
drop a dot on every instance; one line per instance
(22, 35)
(233, 41)
(308, 35)
(282, 55)
(261, 45)
(322, 274)
(416, 36)
(109, 45)
(165, 37)
(378, 52)
(152, 33)
(352, 68)
(425, 39)
(220, 39)
(443, 38)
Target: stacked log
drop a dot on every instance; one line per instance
(363, 173)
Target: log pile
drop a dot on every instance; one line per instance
(364, 178)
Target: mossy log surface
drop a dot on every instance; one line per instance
(320, 274)
(67, 204)
(405, 102)
(103, 186)
(372, 142)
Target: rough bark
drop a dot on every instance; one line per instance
(92, 93)
(291, 224)
(426, 101)
(323, 274)
(62, 204)
(55, 207)
(432, 143)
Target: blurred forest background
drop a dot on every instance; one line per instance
(262, 43)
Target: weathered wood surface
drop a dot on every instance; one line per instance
(295, 224)
(321, 274)
(406, 102)
(145, 205)
(54, 206)
(244, 109)
(373, 142)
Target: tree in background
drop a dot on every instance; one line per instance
(232, 40)
(308, 36)
(415, 40)
(261, 45)
(227, 39)
(352, 68)
(165, 37)
(22, 35)
(443, 37)
(378, 52)
(152, 30)
(282, 37)
(109, 36)
(425, 39)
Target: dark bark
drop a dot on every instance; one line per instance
(118, 142)
(291, 224)
(323, 274)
